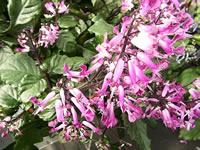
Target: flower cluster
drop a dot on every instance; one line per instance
(48, 32)
(126, 73)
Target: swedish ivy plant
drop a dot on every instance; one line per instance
(74, 68)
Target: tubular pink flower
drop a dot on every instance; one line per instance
(126, 5)
(95, 66)
(167, 117)
(63, 8)
(112, 120)
(43, 102)
(49, 6)
(89, 114)
(194, 93)
(140, 74)
(70, 74)
(165, 90)
(132, 72)
(131, 116)
(148, 46)
(146, 60)
(62, 95)
(166, 45)
(106, 83)
(34, 100)
(78, 105)
(115, 40)
(59, 111)
(89, 125)
(79, 95)
(121, 95)
(118, 70)
(74, 116)
(47, 99)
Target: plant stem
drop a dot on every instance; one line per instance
(39, 59)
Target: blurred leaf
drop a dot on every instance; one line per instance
(87, 53)
(196, 37)
(138, 132)
(66, 42)
(31, 86)
(5, 52)
(67, 21)
(77, 62)
(47, 115)
(101, 27)
(56, 63)
(93, 2)
(23, 11)
(188, 75)
(4, 24)
(3, 6)
(10, 41)
(192, 134)
(16, 67)
(8, 97)
(33, 132)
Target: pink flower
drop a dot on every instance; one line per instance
(146, 60)
(95, 66)
(62, 95)
(70, 74)
(43, 102)
(108, 118)
(194, 93)
(106, 83)
(74, 116)
(54, 6)
(63, 8)
(131, 70)
(89, 125)
(48, 35)
(59, 111)
(126, 5)
(49, 6)
(121, 95)
(118, 70)
(145, 42)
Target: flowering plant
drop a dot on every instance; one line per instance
(81, 69)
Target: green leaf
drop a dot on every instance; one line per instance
(77, 62)
(192, 134)
(67, 21)
(10, 41)
(4, 24)
(23, 11)
(87, 53)
(66, 42)
(31, 86)
(3, 6)
(16, 67)
(5, 52)
(8, 97)
(138, 132)
(188, 75)
(33, 132)
(56, 63)
(47, 115)
(101, 27)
